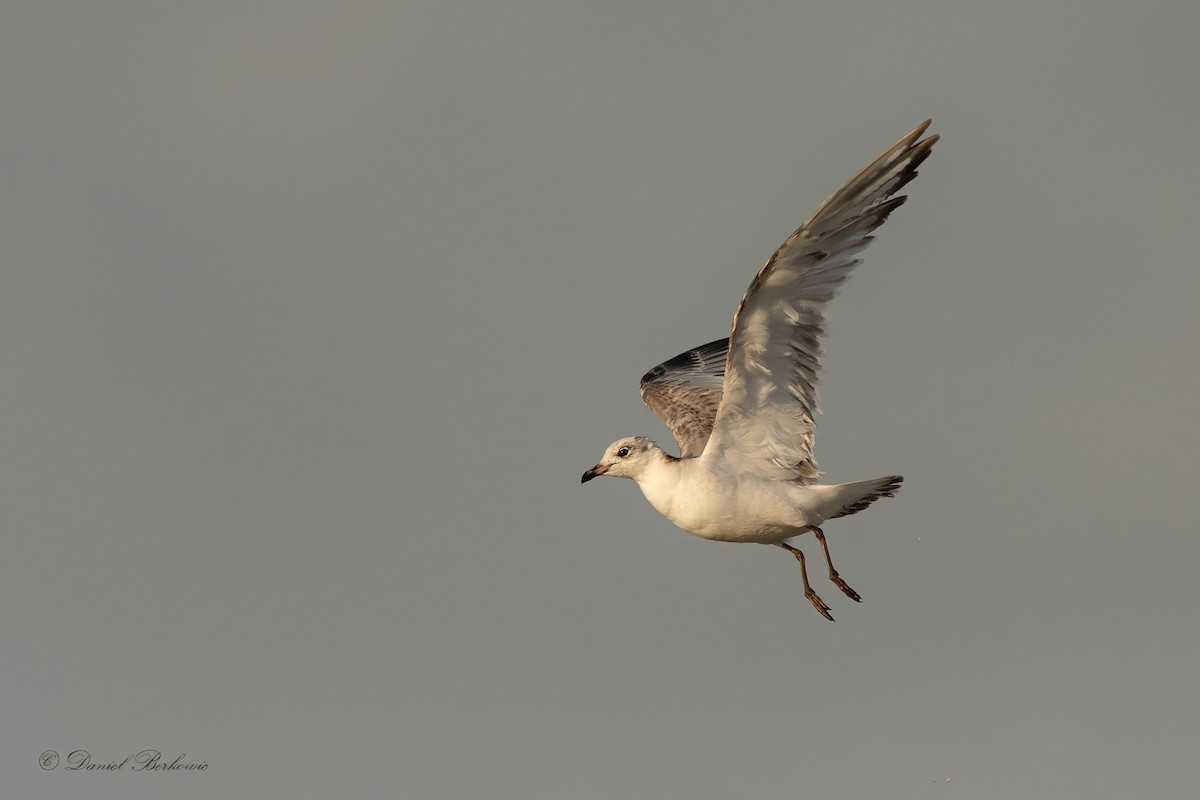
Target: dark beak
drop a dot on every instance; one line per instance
(592, 473)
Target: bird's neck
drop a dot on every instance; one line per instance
(659, 480)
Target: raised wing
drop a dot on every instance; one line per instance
(765, 421)
(685, 392)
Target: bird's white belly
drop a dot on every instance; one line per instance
(728, 509)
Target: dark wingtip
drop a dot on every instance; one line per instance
(688, 359)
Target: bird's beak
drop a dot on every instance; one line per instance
(593, 472)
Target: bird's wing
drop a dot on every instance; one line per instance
(685, 392)
(764, 425)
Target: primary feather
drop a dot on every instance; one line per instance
(764, 424)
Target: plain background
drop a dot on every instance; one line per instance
(312, 314)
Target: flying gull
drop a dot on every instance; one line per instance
(742, 408)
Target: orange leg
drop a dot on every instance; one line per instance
(833, 573)
(812, 596)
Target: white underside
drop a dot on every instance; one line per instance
(709, 500)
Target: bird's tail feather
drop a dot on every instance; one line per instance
(861, 494)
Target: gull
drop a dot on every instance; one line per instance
(741, 408)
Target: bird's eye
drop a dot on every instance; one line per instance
(624, 451)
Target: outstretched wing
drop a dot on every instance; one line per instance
(765, 422)
(685, 392)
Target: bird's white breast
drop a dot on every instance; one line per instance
(720, 505)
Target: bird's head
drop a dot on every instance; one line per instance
(624, 458)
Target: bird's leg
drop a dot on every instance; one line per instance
(812, 596)
(833, 573)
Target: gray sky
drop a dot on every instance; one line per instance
(312, 315)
